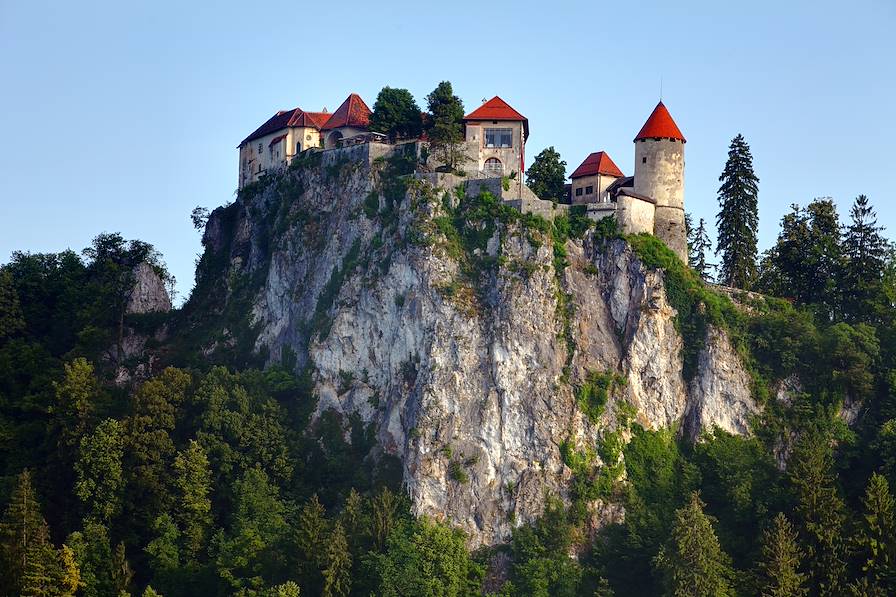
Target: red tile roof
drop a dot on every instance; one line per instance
(660, 125)
(276, 140)
(598, 162)
(497, 109)
(277, 122)
(316, 119)
(353, 112)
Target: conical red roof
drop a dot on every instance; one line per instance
(598, 162)
(660, 125)
(353, 112)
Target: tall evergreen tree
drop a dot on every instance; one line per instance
(821, 512)
(865, 251)
(738, 219)
(697, 250)
(12, 320)
(693, 563)
(337, 574)
(779, 569)
(22, 528)
(446, 130)
(546, 177)
(876, 539)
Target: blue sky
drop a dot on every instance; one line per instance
(123, 116)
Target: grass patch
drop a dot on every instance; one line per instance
(593, 394)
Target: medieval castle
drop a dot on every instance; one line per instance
(652, 200)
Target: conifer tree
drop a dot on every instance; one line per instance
(21, 528)
(738, 218)
(781, 561)
(693, 562)
(821, 512)
(697, 250)
(43, 571)
(337, 574)
(546, 177)
(193, 483)
(446, 131)
(311, 531)
(865, 251)
(876, 539)
(12, 321)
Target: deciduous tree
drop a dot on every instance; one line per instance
(546, 177)
(396, 113)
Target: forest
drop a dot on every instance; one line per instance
(211, 478)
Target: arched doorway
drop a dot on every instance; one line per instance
(494, 167)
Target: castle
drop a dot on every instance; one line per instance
(652, 200)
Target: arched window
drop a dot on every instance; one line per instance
(494, 166)
(299, 147)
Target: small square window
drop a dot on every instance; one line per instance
(589, 190)
(644, 160)
(579, 192)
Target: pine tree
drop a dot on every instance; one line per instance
(384, 505)
(193, 483)
(738, 218)
(865, 251)
(546, 177)
(697, 249)
(781, 560)
(693, 563)
(446, 131)
(821, 512)
(43, 571)
(337, 574)
(876, 539)
(311, 530)
(21, 528)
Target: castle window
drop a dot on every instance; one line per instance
(644, 160)
(494, 166)
(589, 190)
(259, 149)
(498, 137)
(299, 147)
(579, 192)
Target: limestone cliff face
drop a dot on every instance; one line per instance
(470, 379)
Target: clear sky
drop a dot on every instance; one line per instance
(123, 116)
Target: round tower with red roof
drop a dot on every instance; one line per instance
(659, 174)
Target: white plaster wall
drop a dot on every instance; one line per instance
(634, 215)
(600, 182)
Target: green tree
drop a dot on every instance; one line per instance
(738, 218)
(76, 396)
(865, 252)
(782, 558)
(43, 573)
(693, 563)
(431, 561)
(311, 534)
(164, 550)
(253, 548)
(192, 480)
(23, 534)
(287, 589)
(338, 573)
(94, 557)
(149, 445)
(546, 177)
(446, 131)
(876, 538)
(100, 479)
(396, 114)
(821, 512)
(12, 320)
(697, 250)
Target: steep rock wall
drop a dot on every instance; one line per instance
(470, 379)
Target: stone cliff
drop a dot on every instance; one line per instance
(484, 345)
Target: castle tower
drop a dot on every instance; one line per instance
(659, 174)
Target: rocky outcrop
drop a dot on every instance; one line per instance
(148, 293)
(467, 363)
(721, 390)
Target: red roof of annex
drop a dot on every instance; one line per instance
(598, 162)
(497, 109)
(353, 112)
(660, 126)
